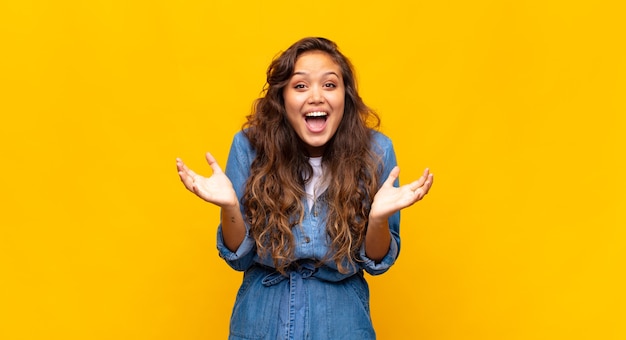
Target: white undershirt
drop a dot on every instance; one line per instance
(315, 186)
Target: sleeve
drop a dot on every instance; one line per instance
(238, 170)
(385, 149)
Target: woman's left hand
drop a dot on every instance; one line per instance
(389, 199)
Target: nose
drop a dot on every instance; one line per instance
(316, 95)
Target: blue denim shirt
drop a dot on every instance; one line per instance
(303, 307)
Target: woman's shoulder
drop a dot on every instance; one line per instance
(241, 139)
(382, 147)
(242, 144)
(381, 141)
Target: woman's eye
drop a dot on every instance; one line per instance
(299, 86)
(330, 85)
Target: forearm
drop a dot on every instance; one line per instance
(377, 239)
(233, 227)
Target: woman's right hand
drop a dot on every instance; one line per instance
(216, 189)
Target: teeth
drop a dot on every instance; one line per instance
(316, 114)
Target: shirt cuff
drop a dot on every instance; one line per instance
(373, 268)
(240, 259)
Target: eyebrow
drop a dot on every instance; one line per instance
(306, 73)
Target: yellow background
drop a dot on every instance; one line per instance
(518, 107)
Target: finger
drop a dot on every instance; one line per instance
(187, 176)
(181, 167)
(393, 175)
(179, 164)
(424, 177)
(425, 188)
(428, 183)
(415, 184)
(213, 163)
(191, 173)
(186, 179)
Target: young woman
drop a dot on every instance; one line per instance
(309, 201)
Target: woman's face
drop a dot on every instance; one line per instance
(314, 100)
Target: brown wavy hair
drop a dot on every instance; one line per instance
(274, 194)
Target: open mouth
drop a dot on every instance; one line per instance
(316, 120)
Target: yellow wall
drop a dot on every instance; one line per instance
(518, 107)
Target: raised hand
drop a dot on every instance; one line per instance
(216, 189)
(389, 199)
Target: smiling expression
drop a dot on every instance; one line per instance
(314, 100)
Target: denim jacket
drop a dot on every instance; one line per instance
(282, 321)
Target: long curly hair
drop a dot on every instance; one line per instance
(274, 194)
